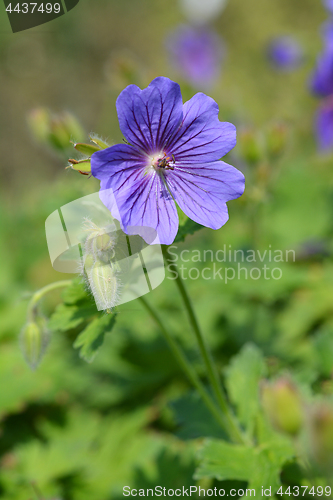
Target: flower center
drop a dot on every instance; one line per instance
(162, 161)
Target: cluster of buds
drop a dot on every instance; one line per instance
(83, 165)
(100, 267)
(55, 130)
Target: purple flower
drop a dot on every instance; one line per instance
(173, 155)
(197, 54)
(324, 126)
(285, 53)
(321, 82)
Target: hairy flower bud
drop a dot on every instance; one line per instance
(283, 405)
(100, 270)
(100, 242)
(34, 341)
(103, 282)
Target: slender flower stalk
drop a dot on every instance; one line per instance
(35, 336)
(205, 353)
(43, 291)
(221, 418)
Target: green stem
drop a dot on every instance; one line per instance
(43, 291)
(185, 365)
(230, 423)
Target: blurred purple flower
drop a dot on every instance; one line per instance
(329, 5)
(285, 53)
(324, 126)
(321, 82)
(197, 54)
(173, 155)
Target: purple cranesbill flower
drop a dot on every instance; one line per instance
(321, 82)
(197, 54)
(285, 53)
(173, 155)
(324, 126)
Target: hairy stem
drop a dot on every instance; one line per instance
(185, 365)
(230, 421)
(43, 291)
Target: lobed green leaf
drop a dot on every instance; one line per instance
(68, 317)
(242, 381)
(92, 337)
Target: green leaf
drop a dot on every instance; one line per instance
(86, 149)
(74, 293)
(323, 351)
(92, 337)
(260, 467)
(194, 419)
(68, 317)
(186, 226)
(222, 460)
(242, 381)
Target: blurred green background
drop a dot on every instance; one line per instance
(81, 430)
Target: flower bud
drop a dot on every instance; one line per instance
(86, 149)
(39, 123)
(73, 126)
(55, 130)
(59, 136)
(283, 405)
(34, 341)
(99, 142)
(103, 282)
(321, 433)
(100, 242)
(100, 270)
(64, 128)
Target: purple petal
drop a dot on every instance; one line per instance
(132, 195)
(148, 117)
(113, 166)
(322, 79)
(120, 159)
(324, 126)
(202, 137)
(201, 191)
(145, 201)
